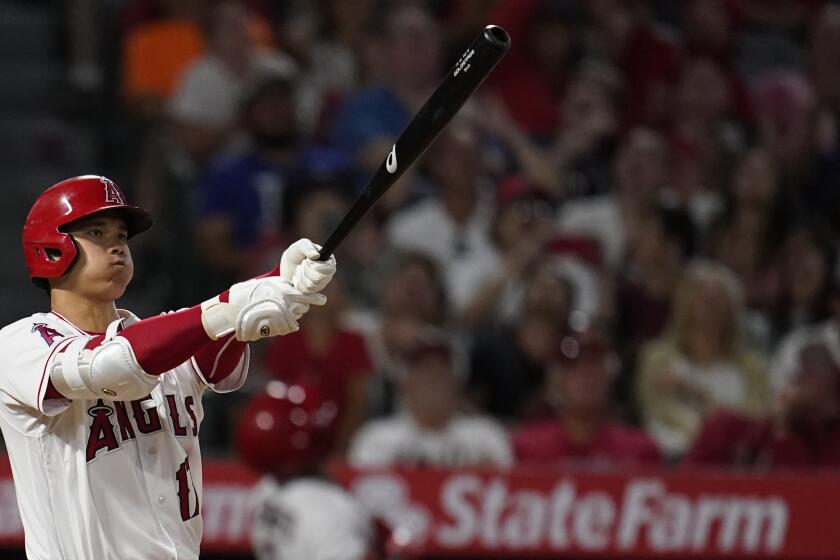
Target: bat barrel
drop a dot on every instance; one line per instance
(473, 66)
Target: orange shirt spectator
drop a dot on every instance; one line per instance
(156, 54)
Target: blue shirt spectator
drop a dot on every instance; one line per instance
(375, 113)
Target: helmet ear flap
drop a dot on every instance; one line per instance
(51, 258)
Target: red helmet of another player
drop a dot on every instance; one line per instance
(286, 430)
(49, 251)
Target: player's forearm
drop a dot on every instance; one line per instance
(164, 342)
(219, 358)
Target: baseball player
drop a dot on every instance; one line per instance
(285, 432)
(100, 411)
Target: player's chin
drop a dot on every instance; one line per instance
(117, 284)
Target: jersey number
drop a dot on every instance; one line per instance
(186, 488)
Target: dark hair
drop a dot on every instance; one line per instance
(400, 260)
(820, 237)
(678, 226)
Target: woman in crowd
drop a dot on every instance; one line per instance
(701, 362)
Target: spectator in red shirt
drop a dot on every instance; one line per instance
(326, 354)
(803, 431)
(531, 80)
(579, 386)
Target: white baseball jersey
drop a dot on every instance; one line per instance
(96, 478)
(465, 441)
(308, 519)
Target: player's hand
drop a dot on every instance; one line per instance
(258, 308)
(274, 308)
(299, 268)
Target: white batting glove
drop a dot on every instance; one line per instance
(257, 308)
(299, 267)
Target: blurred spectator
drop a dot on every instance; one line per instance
(583, 431)
(822, 196)
(828, 333)
(157, 52)
(710, 32)
(754, 222)
(531, 80)
(326, 38)
(659, 250)
(641, 168)
(412, 297)
(241, 214)
(577, 159)
(204, 106)
(807, 262)
(331, 357)
(705, 132)
(452, 227)
(508, 361)
(522, 227)
(785, 106)
(410, 46)
(701, 362)
(285, 432)
(623, 33)
(662, 244)
(431, 432)
(803, 431)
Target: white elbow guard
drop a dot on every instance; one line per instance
(109, 371)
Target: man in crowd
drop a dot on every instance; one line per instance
(583, 429)
(431, 431)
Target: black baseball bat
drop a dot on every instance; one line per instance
(471, 69)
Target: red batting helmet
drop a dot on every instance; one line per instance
(49, 252)
(286, 430)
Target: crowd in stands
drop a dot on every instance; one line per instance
(622, 250)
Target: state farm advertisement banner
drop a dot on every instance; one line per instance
(617, 515)
(549, 514)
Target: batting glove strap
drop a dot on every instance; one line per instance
(218, 318)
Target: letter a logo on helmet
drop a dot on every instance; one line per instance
(112, 192)
(50, 251)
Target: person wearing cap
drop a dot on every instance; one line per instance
(583, 429)
(803, 429)
(430, 431)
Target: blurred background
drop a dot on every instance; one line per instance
(622, 252)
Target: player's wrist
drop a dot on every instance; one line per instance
(218, 318)
(257, 308)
